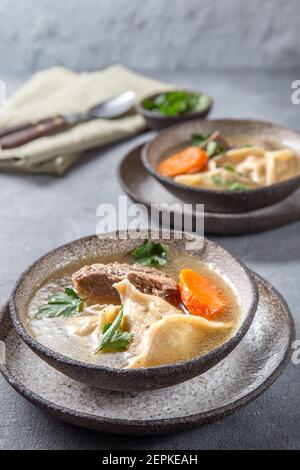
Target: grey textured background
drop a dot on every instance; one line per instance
(152, 34)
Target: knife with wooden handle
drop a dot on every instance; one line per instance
(33, 131)
(19, 135)
(9, 130)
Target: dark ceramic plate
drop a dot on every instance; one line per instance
(108, 378)
(138, 183)
(168, 142)
(157, 121)
(237, 380)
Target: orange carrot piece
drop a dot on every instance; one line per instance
(200, 295)
(189, 160)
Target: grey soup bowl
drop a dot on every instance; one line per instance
(243, 131)
(91, 249)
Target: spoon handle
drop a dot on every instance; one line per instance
(31, 132)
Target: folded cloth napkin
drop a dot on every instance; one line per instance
(61, 91)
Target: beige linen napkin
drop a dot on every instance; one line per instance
(62, 91)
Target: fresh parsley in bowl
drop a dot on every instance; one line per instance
(177, 103)
(164, 109)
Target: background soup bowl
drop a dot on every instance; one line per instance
(108, 378)
(245, 131)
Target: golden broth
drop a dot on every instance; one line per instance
(54, 332)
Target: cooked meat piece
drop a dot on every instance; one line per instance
(95, 282)
(220, 139)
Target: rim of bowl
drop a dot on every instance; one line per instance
(261, 190)
(162, 117)
(229, 345)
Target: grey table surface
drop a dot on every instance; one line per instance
(38, 213)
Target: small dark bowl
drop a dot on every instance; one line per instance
(130, 379)
(158, 121)
(168, 142)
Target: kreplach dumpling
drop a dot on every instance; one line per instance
(141, 311)
(162, 333)
(174, 338)
(218, 179)
(95, 317)
(281, 165)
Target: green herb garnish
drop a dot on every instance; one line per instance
(199, 139)
(232, 185)
(151, 254)
(176, 103)
(247, 145)
(229, 168)
(235, 186)
(214, 148)
(64, 304)
(112, 338)
(217, 180)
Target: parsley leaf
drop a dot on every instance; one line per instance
(232, 185)
(176, 103)
(112, 339)
(235, 186)
(199, 139)
(214, 148)
(229, 168)
(64, 304)
(151, 254)
(217, 180)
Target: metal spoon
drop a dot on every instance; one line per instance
(20, 135)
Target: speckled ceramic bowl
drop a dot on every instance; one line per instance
(168, 142)
(109, 378)
(158, 121)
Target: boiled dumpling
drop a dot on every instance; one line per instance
(162, 333)
(174, 338)
(140, 312)
(203, 180)
(218, 179)
(83, 325)
(281, 165)
(254, 168)
(94, 319)
(238, 155)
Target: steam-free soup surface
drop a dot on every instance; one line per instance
(223, 162)
(55, 332)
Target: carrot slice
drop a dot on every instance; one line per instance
(200, 295)
(189, 160)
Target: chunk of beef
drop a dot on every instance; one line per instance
(220, 139)
(95, 282)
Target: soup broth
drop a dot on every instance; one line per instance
(230, 162)
(55, 332)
